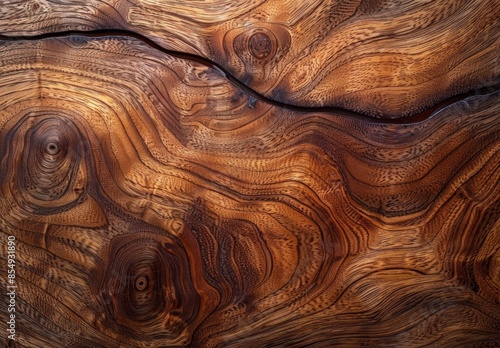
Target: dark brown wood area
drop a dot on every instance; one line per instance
(250, 173)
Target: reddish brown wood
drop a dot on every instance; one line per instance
(155, 203)
(383, 58)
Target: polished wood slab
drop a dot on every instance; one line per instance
(157, 202)
(387, 59)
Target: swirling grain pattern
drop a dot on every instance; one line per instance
(154, 204)
(383, 58)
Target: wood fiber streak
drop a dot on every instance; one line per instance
(154, 204)
(382, 58)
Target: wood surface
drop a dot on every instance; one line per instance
(156, 201)
(383, 58)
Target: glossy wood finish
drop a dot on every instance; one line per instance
(156, 202)
(383, 58)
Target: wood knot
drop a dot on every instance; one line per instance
(253, 52)
(260, 45)
(146, 284)
(47, 163)
(141, 283)
(52, 148)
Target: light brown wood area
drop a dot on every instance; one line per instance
(383, 58)
(156, 201)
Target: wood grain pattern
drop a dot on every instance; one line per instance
(383, 58)
(155, 204)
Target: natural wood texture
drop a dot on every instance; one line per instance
(155, 204)
(384, 58)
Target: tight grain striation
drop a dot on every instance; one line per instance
(155, 204)
(385, 59)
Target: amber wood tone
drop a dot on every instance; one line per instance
(162, 193)
(155, 204)
(383, 58)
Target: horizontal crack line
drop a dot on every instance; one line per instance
(416, 118)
